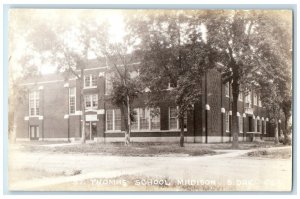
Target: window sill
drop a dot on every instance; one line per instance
(113, 131)
(90, 87)
(34, 116)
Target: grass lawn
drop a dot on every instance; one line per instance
(284, 153)
(142, 149)
(135, 149)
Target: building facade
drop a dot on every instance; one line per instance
(52, 111)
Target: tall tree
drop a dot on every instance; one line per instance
(68, 43)
(123, 72)
(247, 43)
(174, 57)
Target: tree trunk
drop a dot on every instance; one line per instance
(235, 128)
(127, 132)
(181, 122)
(276, 141)
(82, 107)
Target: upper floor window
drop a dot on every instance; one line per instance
(113, 120)
(248, 100)
(72, 100)
(227, 89)
(90, 81)
(173, 119)
(91, 101)
(259, 101)
(240, 96)
(255, 99)
(34, 103)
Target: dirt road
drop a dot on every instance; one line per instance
(231, 168)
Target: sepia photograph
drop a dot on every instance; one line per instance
(151, 100)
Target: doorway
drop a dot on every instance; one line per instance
(90, 130)
(34, 132)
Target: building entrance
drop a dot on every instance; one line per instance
(90, 130)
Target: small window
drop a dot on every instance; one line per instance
(72, 100)
(90, 81)
(34, 103)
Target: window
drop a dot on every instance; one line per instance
(248, 100)
(227, 89)
(91, 101)
(113, 120)
(241, 97)
(255, 99)
(72, 100)
(173, 122)
(146, 119)
(108, 84)
(34, 103)
(109, 120)
(185, 120)
(259, 101)
(155, 119)
(90, 81)
(265, 127)
(173, 119)
(227, 121)
(117, 119)
(255, 125)
(258, 126)
(241, 124)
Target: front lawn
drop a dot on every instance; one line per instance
(142, 149)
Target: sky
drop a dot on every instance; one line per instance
(20, 20)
